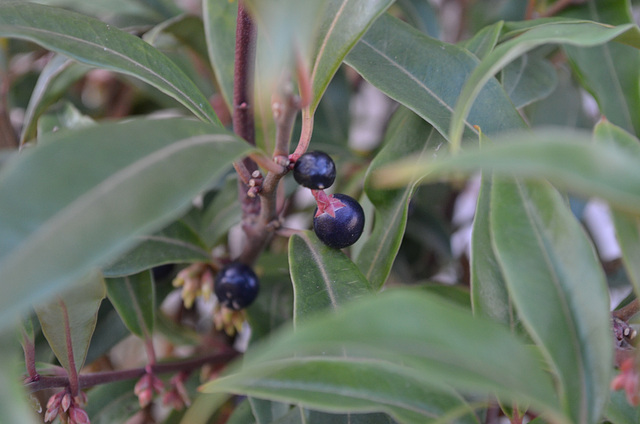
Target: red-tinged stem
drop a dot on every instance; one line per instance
(29, 356)
(304, 81)
(627, 311)
(305, 135)
(73, 373)
(97, 378)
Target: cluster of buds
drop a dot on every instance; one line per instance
(177, 396)
(195, 280)
(229, 320)
(146, 387)
(66, 406)
(628, 380)
(255, 184)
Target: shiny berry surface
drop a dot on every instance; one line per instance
(236, 286)
(343, 229)
(315, 170)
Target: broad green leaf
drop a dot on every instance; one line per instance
(323, 278)
(611, 71)
(133, 297)
(266, 411)
(627, 224)
(187, 29)
(558, 288)
(178, 243)
(408, 134)
(54, 80)
(222, 213)
(569, 159)
(68, 320)
(342, 24)
(619, 411)
(528, 78)
(220, 28)
(112, 403)
(578, 33)
(420, 14)
(360, 350)
(95, 43)
(484, 41)
(427, 75)
(114, 182)
(489, 294)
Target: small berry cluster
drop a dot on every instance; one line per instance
(339, 219)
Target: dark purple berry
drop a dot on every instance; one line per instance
(236, 286)
(315, 170)
(343, 229)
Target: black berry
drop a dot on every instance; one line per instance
(236, 286)
(315, 170)
(345, 227)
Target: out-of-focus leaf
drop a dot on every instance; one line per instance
(408, 134)
(267, 411)
(68, 320)
(220, 29)
(427, 75)
(485, 40)
(242, 414)
(112, 403)
(63, 116)
(569, 159)
(95, 43)
(54, 80)
(571, 32)
(203, 407)
(221, 214)
(627, 224)
(178, 243)
(323, 278)
(114, 182)
(619, 411)
(342, 24)
(109, 331)
(133, 297)
(365, 358)
(421, 14)
(317, 417)
(188, 29)
(610, 71)
(13, 400)
(528, 78)
(558, 288)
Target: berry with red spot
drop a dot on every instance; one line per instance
(339, 220)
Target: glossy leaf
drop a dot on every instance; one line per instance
(627, 225)
(528, 78)
(323, 278)
(220, 28)
(56, 77)
(133, 297)
(342, 24)
(78, 222)
(569, 159)
(95, 43)
(611, 71)
(365, 356)
(427, 75)
(578, 33)
(558, 288)
(68, 320)
(408, 134)
(489, 293)
(178, 243)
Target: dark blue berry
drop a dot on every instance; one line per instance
(345, 228)
(315, 170)
(236, 286)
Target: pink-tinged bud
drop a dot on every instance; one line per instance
(145, 397)
(54, 401)
(618, 382)
(51, 414)
(158, 385)
(81, 399)
(78, 416)
(66, 401)
(142, 384)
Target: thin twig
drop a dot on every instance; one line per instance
(627, 311)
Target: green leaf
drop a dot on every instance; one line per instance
(323, 278)
(134, 299)
(408, 134)
(427, 75)
(611, 71)
(13, 399)
(489, 294)
(627, 225)
(558, 288)
(578, 33)
(187, 29)
(619, 411)
(266, 411)
(112, 402)
(95, 43)
(69, 319)
(366, 357)
(63, 116)
(222, 213)
(342, 24)
(317, 417)
(485, 40)
(114, 182)
(242, 414)
(529, 78)
(420, 14)
(220, 28)
(569, 159)
(178, 243)
(54, 80)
